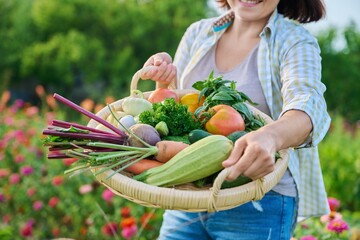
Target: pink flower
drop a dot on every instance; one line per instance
(9, 121)
(2, 198)
(6, 218)
(27, 170)
(26, 231)
(37, 205)
(31, 111)
(31, 191)
(309, 237)
(107, 195)
(333, 203)
(14, 178)
(19, 158)
(4, 172)
(129, 232)
(85, 188)
(53, 202)
(331, 216)
(337, 225)
(110, 229)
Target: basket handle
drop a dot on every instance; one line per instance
(135, 79)
(259, 189)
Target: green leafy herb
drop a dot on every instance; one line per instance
(175, 115)
(217, 91)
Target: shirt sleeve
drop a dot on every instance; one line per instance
(184, 51)
(302, 88)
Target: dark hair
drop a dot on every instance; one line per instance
(304, 11)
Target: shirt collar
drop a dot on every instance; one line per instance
(226, 20)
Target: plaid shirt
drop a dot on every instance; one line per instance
(289, 68)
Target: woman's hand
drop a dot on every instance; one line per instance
(253, 156)
(160, 69)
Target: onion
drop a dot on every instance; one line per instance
(145, 132)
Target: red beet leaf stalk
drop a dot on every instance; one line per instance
(63, 124)
(88, 136)
(88, 114)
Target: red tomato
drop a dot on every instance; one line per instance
(225, 120)
(161, 94)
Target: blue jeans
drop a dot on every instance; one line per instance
(273, 217)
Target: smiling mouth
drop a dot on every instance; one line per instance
(251, 1)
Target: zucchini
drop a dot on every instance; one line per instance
(236, 135)
(197, 134)
(195, 162)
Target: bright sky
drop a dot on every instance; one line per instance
(339, 13)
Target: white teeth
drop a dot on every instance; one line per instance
(250, 1)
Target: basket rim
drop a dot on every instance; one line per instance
(213, 199)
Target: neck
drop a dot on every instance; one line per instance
(248, 29)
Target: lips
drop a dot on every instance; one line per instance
(250, 1)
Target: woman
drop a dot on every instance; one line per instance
(277, 63)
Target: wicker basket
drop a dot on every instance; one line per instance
(180, 198)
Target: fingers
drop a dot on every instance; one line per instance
(157, 59)
(252, 161)
(163, 71)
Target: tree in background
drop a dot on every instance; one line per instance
(91, 48)
(341, 72)
(80, 45)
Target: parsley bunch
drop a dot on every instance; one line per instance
(175, 115)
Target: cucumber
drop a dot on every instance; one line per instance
(241, 180)
(236, 135)
(197, 134)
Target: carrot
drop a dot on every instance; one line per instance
(168, 149)
(142, 165)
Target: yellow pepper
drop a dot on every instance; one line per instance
(192, 101)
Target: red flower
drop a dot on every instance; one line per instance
(125, 212)
(337, 225)
(53, 202)
(145, 219)
(110, 229)
(57, 180)
(6, 218)
(4, 172)
(127, 222)
(31, 191)
(56, 231)
(68, 161)
(26, 231)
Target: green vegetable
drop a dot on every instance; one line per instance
(197, 134)
(236, 135)
(217, 91)
(175, 115)
(183, 138)
(136, 104)
(240, 180)
(195, 162)
(162, 129)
